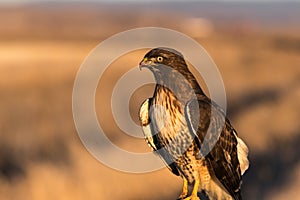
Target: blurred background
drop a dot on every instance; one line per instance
(43, 43)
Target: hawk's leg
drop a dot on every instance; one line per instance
(194, 195)
(184, 189)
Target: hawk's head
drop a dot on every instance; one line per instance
(163, 60)
(170, 69)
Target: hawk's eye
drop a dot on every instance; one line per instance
(159, 59)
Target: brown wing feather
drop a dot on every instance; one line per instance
(222, 157)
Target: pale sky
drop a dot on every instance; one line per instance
(29, 1)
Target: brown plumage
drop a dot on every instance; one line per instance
(190, 132)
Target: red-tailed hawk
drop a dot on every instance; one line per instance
(176, 121)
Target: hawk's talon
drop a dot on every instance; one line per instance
(194, 195)
(184, 192)
(181, 197)
(192, 198)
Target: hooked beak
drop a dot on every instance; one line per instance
(145, 63)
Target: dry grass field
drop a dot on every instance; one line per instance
(41, 49)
